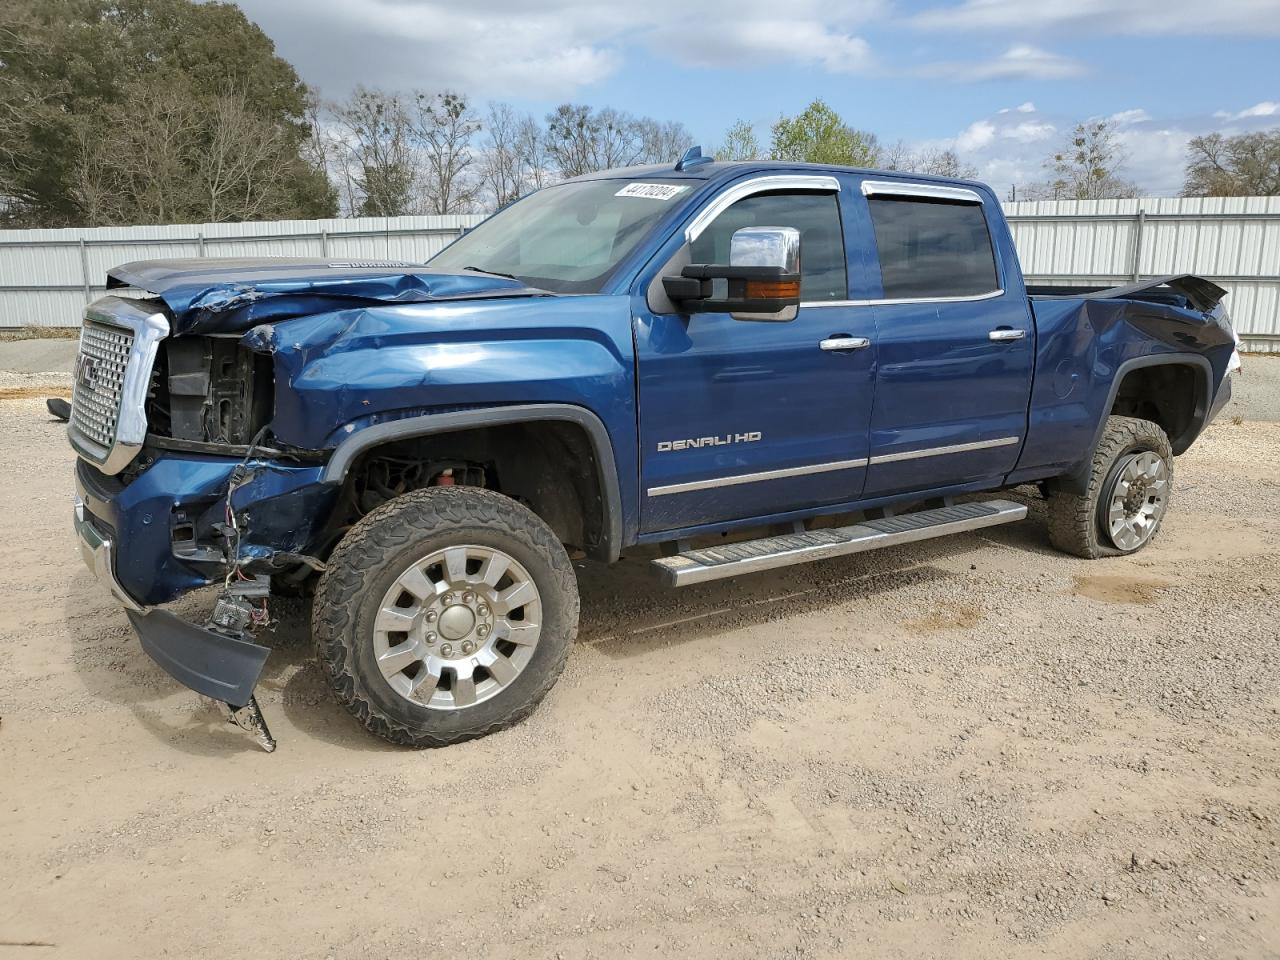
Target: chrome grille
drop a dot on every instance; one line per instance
(99, 381)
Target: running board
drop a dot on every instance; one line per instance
(750, 556)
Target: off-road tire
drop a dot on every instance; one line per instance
(1075, 522)
(377, 549)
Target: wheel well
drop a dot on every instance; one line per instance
(1166, 394)
(549, 466)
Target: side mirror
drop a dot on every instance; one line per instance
(760, 282)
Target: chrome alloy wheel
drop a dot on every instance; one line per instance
(457, 627)
(1138, 499)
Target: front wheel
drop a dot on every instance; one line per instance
(1126, 495)
(445, 615)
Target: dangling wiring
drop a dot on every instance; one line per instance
(240, 475)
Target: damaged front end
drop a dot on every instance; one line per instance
(181, 482)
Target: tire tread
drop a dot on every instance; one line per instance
(357, 560)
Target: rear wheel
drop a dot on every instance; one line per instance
(1126, 496)
(445, 615)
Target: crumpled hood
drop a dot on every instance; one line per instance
(210, 295)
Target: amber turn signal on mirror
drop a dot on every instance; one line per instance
(772, 289)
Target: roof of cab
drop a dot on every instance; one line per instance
(719, 170)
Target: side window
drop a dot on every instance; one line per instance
(823, 274)
(932, 248)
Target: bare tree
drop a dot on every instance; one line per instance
(376, 138)
(1087, 167)
(582, 140)
(443, 127)
(1246, 165)
(531, 145)
(501, 165)
(943, 163)
(662, 142)
(182, 159)
(241, 174)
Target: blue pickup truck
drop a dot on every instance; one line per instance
(745, 364)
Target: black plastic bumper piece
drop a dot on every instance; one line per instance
(218, 666)
(1221, 400)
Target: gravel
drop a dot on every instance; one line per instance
(965, 748)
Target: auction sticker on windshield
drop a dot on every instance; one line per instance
(651, 191)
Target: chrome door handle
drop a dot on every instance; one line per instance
(1004, 333)
(845, 343)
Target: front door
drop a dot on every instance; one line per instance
(954, 343)
(742, 419)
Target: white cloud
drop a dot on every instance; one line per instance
(1266, 108)
(553, 48)
(1126, 118)
(976, 136)
(1010, 146)
(1143, 17)
(1019, 62)
(751, 42)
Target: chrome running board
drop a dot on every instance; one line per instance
(750, 556)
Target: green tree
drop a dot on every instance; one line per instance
(73, 71)
(1246, 165)
(740, 143)
(818, 135)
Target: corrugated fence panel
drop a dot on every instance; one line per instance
(45, 275)
(1234, 241)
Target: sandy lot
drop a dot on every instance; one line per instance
(971, 748)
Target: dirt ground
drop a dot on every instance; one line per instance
(970, 748)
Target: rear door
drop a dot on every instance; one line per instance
(954, 339)
(741, 419)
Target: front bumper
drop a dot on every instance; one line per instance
(97, 550)
(215, 664)
(282, 508)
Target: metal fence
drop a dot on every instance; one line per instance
(46, 276)
(1234, 241)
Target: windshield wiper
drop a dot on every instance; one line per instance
(492, 273)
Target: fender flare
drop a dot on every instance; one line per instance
(1075, 481)
(345, 454)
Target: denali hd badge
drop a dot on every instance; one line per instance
(665, 446)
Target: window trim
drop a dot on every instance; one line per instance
(748, 188)
(927, 191)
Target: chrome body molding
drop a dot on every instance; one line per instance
(942, 451)
(930, 191)
(734, 480)
(889, 301)
(756, 477)
(147, 326)
(746, 188)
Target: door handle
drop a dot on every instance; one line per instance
(1005, 333)
(843, 342)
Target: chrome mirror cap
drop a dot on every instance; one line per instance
(766, 247)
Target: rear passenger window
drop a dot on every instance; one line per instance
(932, 248)
(816, 215)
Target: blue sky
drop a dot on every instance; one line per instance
(1001, 81)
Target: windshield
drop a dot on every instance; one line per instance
(566, 238)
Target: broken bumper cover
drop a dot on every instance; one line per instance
(213, 664)
(210, 663)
